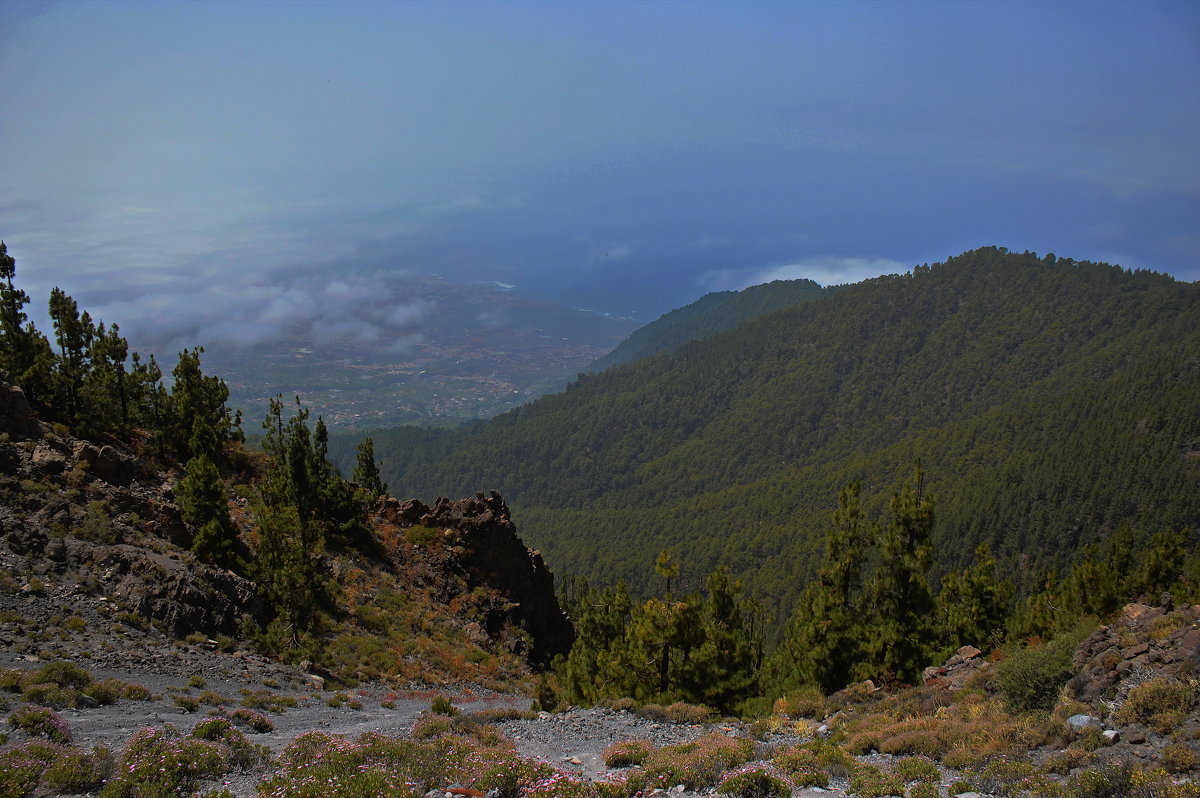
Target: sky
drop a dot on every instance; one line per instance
(212, 166)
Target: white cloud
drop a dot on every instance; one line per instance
(823, 269)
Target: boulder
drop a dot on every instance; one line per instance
(16, 417)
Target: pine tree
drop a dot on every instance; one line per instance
(203, 505)
(904, 636)
(825, 641)
(366, 472)
(973, 604)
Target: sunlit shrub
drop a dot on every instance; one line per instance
(802, 767)
(78, 771)
(1160, 702)
(755, 781)
(917, 768)
(624, 753)
(869, 781)
(41, 722)
(161, 763)
(807, 702)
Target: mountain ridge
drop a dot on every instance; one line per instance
(1004, 348)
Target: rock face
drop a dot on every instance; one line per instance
(1141, 642)
(488, 554)
(965, 663)
(16, 417)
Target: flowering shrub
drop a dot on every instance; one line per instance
(624, 753)
(557, 785)
(755, 781)
(696, 764)
(77, 771)
(160, 763)
(255, 721)
(431, 726)
(241, 753)
(20, 772)
(41, 722)
(802, 767)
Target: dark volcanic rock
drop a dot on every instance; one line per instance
(16, 417)
(491, 555)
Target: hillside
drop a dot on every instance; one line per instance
(1049, 400)
(711, 313)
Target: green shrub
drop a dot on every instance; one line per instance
(1005, 776)
(917, 768)
(186, 702)
(41, 722)
(160, 763)
(924, 790)
(869, 781)
(802, 766)
(197, 681)
(255, 721)
(625, 753)
(1178, 758)
(242, 754)
(441, 705)
(1032, 677)
(807, 702)
(78, 771)
(696, 764)
(1157, 697)
(20, 771)
(1110, 781)
(431, 726)
(494, 715)
(755, 781)
(265, 699)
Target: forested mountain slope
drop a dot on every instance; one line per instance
(1049, 400)
(711, 313)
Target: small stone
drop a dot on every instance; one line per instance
(1081, 721)
(575, 760)
(1112, 735)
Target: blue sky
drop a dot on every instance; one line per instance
(175, 165)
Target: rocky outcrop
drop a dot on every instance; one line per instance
(954, 674)
(1142, 641)
(487, 552)
(16, 417)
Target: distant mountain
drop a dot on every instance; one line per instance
(1050, 401)
(423, 351)
(711, 313)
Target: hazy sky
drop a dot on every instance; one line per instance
(212, 159)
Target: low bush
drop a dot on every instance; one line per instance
(869, 781)
(802, 766)
(431, 726)
(501, 714)
(755, 781)
(807, 702)
(78, 771)
(1160, 702)
(1031, 678)
(255, 721)
(41, 722)
(1063, 762)
(917, 768)
(161, 763)
(696, 764)
(1179, 758)
(265, 699)
(624, 753)
(441, 705)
